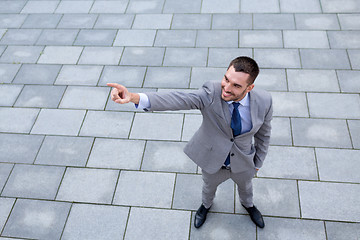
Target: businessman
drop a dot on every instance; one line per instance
(234, 136)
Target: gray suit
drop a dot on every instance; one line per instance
(214, 140)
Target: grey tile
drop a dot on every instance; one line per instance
(259, 6)
(192, 123)
(281, 133)
(40, 96)
(88, 185)
(147, 126)
(190, 57)
(167, 77)
(217, 38)
(213, 6)
(57, 37)
(320, 133)
(349, 21)
(60, 55)
(21, 54)
(64, 151)
(341, 198)
(200, 75)
(331, 168)
(164, 224)
(167, 156)
(17, 148)
(281, 228)
(152, 21)
(317, 21)
(305, 39)
(354, 127)
(114, 124)
(40, 7)
(324, 59)
(146, 189)
(30, 181)
(131, 37)
(95, 37)
(306, 6)
(58, 122)
(17, 120)
(5, 170)
(37, 219)
(41, 20)
(145, 6)
(11, 20)
(128, 154)
(272, 80)
(11, 6)
(37, 74)
(175, 38)
(9, 94)
(191, 21)
(185, 6)
(340, 6)
(273, 21)
(101, 55)
(290, 104)
(6, 205)
(221, 57)
(348, 80)
(312, 80)
(261, 38)
(74, 7)
(344, 39)
(77, 21)
(231, 21)
(79, 75)
(83, 222)
(142, 56)
(342, 231)
(128, 76)
(8, 72)
(109, 6)
(277, 58)
(114, 21)
(85, 98)
(21, 36)
(354, 56)
(334, 105)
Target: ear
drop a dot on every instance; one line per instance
(250, 87)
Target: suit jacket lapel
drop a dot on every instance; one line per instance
(253, 109)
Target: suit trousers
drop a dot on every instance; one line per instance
(243, 180)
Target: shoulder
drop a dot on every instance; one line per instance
(261, 95)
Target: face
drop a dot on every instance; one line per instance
(235, 85)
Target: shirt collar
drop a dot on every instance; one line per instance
(243, 102)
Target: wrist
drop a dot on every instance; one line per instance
(134, 98)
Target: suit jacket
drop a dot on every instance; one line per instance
(214, 140)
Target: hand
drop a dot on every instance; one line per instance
(119, 94)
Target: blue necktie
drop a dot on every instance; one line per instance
(235, 125)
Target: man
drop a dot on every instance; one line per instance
(233, 139)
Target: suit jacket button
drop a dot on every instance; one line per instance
(232, 154)
(232, 139)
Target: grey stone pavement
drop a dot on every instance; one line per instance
(74, 165)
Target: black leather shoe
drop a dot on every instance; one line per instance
(200, 216)
(255, 216)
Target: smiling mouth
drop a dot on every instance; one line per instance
(225, 94)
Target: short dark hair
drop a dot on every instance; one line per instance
(246, 65)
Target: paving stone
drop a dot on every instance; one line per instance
(338, 165)
(84, 219)
(175, 38)
(114, 124)
(320, 133)
(147, 126)
(307, 6)
(305, 39)
(190, 21)
(145, 56)
(191, 125)
(29, 181)
(5, 171)
(146, 189)
(221, 57)
(6, 205)
(101, 55)
(114, 21)
(17, 148)
(344, 39)
(79, 75)
(213, 6)
(317, 21)
(167, 77)
(349, 21)
(17, 120)
(88, 185)
(8, 72)
(334, 105)
(186, 57)
(41, 20)
(109, 6)
(11, 21)
(342, 231)
(231, 21)
(281, 132)
(9, 94)
(354, 127)
(37, 219)
(259, 6)
(11, 6)
(340, 6)
(277, 58)
(127, 76)
(64, 151)
(265, 38)
(58, 122)
(40, 96)
(96, 37)
(217, 38)
(57, 37)
(224, 226)
(312, 80)
(273, 21)
(77, 21)
(74, 7)
(164, 224)
(131, 37)
(60, 55)
(167, 156)
(21, 36)
(280, 228)
(290, 104)
(40, 7)
(200, 75)
(185, 6)
(21, 54)
(152, 21)
(128, 154)
(145, 6)
(324, 59)
(312, 195)
(272, 80)
(280, 161)
(37, 74)
(85, 98)
(354, 56)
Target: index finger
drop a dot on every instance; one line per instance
(115, 85)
